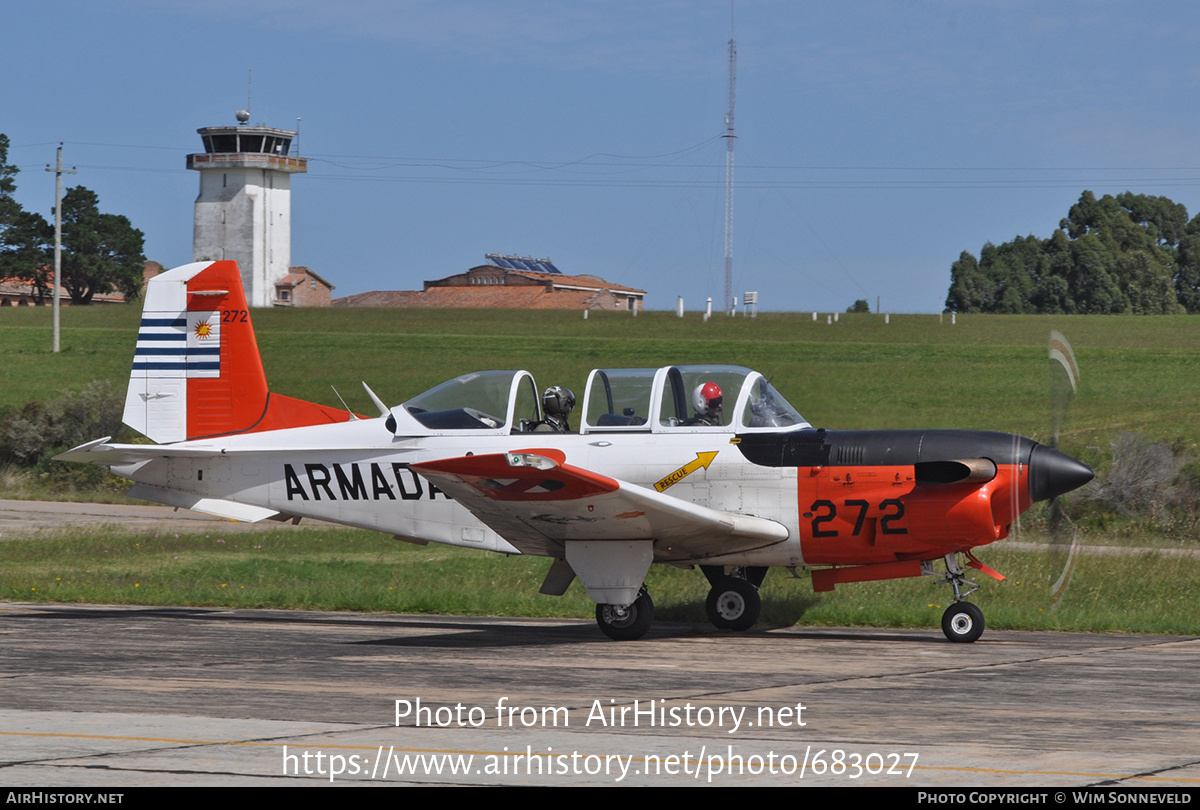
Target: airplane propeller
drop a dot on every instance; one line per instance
(1064, 536)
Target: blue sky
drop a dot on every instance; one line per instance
(876, 140)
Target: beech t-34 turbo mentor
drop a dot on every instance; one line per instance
(643, 480)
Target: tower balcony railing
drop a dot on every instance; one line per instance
(246, 160)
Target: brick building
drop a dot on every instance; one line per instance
(302, 287)
(509, 282)
(16, 292)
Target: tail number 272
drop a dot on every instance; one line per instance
(825, 512)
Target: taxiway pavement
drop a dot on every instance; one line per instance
(124, 696)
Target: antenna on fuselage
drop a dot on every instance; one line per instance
(353, 415)
(383, 409)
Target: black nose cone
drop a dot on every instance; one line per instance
(1052, 473)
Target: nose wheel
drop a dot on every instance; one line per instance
(626, 623)
(962, 622)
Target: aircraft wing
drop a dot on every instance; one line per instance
(535, 501)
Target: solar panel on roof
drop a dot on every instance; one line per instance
(526, 263)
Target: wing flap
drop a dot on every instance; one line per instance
(537, 501)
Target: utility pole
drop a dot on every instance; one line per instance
(59, 171)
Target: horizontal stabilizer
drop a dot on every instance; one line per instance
(110, 455)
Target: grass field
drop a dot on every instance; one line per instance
(1139, 374)
(366, 571)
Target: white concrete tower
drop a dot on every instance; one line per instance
(244, 211)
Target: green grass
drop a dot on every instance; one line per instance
(363, 571)
(341, 569)
(1138, 373)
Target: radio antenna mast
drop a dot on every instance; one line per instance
(730, 138)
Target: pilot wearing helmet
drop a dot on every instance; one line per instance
(557, 403)
(707, 401)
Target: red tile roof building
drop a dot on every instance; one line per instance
(18, 292)
(493, 286)
(302, 287)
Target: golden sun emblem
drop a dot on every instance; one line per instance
(203, 330)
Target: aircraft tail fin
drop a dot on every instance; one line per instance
(197, 372)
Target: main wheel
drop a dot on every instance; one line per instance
(733, 604)
(626, 623)
(962, 622)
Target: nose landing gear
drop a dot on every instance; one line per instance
(963, 621)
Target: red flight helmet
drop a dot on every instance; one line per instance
(707, 398)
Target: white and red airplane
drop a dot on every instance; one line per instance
(643, 480)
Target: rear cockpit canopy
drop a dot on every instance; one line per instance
(491, 401)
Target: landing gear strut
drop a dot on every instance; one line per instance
(733, 602)
(627, 623)
(963, 621)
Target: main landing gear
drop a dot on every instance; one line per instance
(733, 602)
(963, 621)
(626, 623)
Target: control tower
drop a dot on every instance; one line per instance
(244, 211)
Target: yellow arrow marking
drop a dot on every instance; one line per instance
(702, 460)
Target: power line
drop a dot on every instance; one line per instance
(621, 160)
(584, 180)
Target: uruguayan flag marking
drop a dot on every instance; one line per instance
(204, 344)
(183, 345)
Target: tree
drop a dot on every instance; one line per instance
(970, 289)
(25, 238)
(101, 252)
(1148, 285)
(9, 208)
(1130, 253)
(1187, 274)
(860, 305)
(1092, 286)
(29, 252)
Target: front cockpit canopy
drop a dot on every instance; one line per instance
(766, 408)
